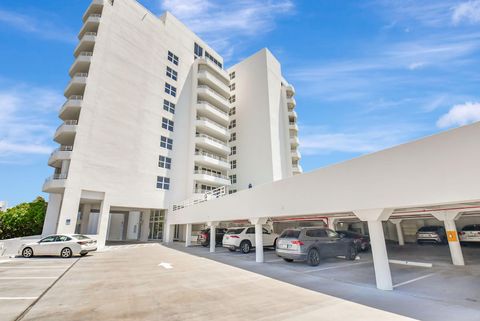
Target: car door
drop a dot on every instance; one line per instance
(268, 237)
(45, 245)
(62, 241)
(338, 246)
(319, 239)
(250, 235)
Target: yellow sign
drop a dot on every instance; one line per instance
(452, 236)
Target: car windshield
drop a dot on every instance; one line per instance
(294, 234)
(429, 229)
(80, 237)
(235, 230)
(475, 227)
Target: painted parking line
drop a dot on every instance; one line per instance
(18, 297)
(36, 267)
(5, 261)
(28, 277)
(335, 267)
(414, 280)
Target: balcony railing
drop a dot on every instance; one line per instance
(86, 53)
(212, 139)
(57, 176)
(80, 74)
(214, 93)
(215, 107)
(75, 97)
(203, 172)
(202, 153)
(95, 15)
(208, 120)
(90, 33)
(63, 148)
(68, 122)
(208, 195)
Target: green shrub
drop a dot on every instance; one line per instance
(23, 220)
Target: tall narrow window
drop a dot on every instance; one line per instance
(232, 75)
(233, 179)
(232, 99)
(198, 51)
(233, 137)
(233, 150)
(232, 87)
(166, 142)
(233, 164)
(164, 162)
(232, 124)
(232, 111)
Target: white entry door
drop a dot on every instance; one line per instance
(115, 230)
(133, 225)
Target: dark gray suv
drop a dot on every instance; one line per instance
(311, 244)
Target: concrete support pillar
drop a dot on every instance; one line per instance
(145, 228)
(374, 218)
(213, 233)
(103, 221)
(398, 225)
(168, 234)
(51, 217)
(258, 222)
(67, 220)
(448, 218)
(86, 209)
(331, 223)
(188, 235)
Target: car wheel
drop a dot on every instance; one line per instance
(83, 254)
(313, 257)
(66, 253)
(287, 260)
(275, 244)
(27, 252)
(205, 244)
(351, 253)
(245, 247)
(463, 244)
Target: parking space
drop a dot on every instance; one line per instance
(22, 281)
(447, 290)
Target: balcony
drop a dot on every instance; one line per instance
(60, 154)
(291, 103)
(211, 160)
(81, 63)
(86, 44)
(65, 133)
(214, 68)
(208, 110)
(95, 7)
(290, 90)
(292, 114)
(212, 128)
(293, 126)
(205, 93)
(90, 24)
(294, 141)
(77, 84)
(210, 178)
(71, 108)
(55, 183)
(207, 78)
(211, 143)
(297, 169)
(295, 154)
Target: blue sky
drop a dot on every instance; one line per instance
(368, 74)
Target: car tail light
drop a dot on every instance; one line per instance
(297, 242)
(461, 233)
(234, 236)
(82, 242)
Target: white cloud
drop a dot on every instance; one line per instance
(25, 121)
(41, 27)
(460, 115)
(416, 65)
(467, 11)
(223, 23)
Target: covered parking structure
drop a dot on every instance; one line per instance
(437, 175)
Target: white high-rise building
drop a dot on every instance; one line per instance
(152, 119)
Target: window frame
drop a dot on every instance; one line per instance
(166, 162)
(163, 182)
(166, 142)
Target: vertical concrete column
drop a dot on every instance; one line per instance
(168, 234)
(188, 235)
(103, 221)
(51, 217)
(86, 209)
(448, 218)
(213, 241)
(67, 220)
(398, 226)
(145, 229)
(374, 218)
(331, 223)
(258, 222)
(65, 166)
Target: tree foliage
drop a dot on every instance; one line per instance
(23, 220)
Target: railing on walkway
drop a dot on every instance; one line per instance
(207, 196)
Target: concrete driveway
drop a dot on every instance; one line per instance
(153, 282)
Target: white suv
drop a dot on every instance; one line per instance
(243, 238)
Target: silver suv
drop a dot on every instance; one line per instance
(311, 244)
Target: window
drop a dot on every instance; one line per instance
(171, 57)
(294, 234)
(232, 111)
(171, 73)
(215, 61)
(166, 142)
(231, 191)
(48, 239)
(233, 164)
(167, 124)
(316, 233)
(233, 179)
(164, 162)
(232, 87)
(232, 99)
(198, 51)
(163, 182)
(62, 238)
(232, 75)
(250, 230)
(233, 150)
(232, 124)
(169, 89)
(233, 137)
(169, 106)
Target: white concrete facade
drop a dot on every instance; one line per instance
(146, 125)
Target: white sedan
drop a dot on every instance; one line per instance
(243, 238)
(64, 245)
